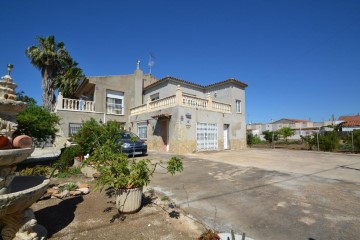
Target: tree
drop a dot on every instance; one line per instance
(329, 141)
(20, 96)
(38, 123)
(286, 132)
(58, 69)
(270, 136)
(251, 139)
(310, 140)
(356, 136)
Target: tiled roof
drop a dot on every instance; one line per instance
(350, 121)
(167, 78)
(289, 120)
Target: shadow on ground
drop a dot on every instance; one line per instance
(57, 217)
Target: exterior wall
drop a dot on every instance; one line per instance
(182, 128)
(68, 117)
(130, 85)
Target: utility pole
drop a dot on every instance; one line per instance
(272, 138)
(317, 138)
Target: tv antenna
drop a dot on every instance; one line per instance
(151, 61)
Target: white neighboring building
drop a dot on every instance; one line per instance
(301, 127)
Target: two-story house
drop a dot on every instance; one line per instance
(170, 114)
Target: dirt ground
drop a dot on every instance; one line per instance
(93, 216)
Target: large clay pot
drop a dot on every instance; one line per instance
(22, 141)
(129, 200)
(5, 143)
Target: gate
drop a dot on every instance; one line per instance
(207, 136)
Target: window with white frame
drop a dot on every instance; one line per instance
(74, 128)
(114, 102)
(238, 106)
(142, 130)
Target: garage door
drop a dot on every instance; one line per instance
(207, 136)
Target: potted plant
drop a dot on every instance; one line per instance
(124, 178)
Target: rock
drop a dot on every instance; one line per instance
(75, 193)
(83, 190)
(52, 191)
(64, 194)
(82, 185)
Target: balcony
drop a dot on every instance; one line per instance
(77, 105)
(181, 99)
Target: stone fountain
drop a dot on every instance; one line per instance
(17, 193)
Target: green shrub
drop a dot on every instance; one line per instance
(310, 141)
(270, 135)
(37, 123)
(93, 134)
(329, 141)
(251, 139)
(356, 136)
(66, 158)
(38, 170)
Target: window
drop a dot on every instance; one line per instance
(74, 128)
(238, 106)
(114, 102)
(142, 130)
(154, 97)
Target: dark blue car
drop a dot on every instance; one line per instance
(131, 144)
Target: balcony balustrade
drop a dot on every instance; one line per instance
(180, 99)
(74, 104)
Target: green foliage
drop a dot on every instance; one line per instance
(37, 123)
(356, 137)
(174, 165)
(93, 134)
(310, 141)
(67, 155)
(165, 198)
(117, 171)
(285, 132)
(20, 96)
(58, 69)
(69, 186)
(329, 141)
(251, 139)
(38, 170)
(270, 135)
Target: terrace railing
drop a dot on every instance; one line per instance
(180, 99)
(74, 104)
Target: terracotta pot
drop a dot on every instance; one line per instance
(22, 141)
(5, 143)
(78, 161)
(128, 200)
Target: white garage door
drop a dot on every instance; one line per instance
(207, 136)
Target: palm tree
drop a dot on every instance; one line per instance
(56, 66)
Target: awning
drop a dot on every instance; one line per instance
(162, 116)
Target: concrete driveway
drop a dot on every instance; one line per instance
(269, 194)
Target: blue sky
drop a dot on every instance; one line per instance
(301, 58)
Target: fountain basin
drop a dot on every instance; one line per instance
(25, 190)
(14, 156)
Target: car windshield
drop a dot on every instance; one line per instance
(128, 136)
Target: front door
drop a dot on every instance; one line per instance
(207, 136)
(164, 133)
(226, 136)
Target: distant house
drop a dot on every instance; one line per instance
(170, 114)
(300, 127)
(350, 123)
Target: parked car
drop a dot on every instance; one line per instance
(131, 144)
